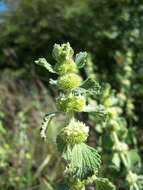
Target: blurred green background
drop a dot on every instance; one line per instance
(110, 31)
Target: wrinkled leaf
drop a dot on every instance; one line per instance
(91, 86)
(43, 62)
(104, 184)
(99, 112)
(83, 161)
(81, 59)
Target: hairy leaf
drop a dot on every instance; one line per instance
(43, 62)
(99, 112)
(46, 122)
(81, 59)
(91, 86)
(83, 161)
(104, 184)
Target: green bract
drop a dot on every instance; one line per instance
(69, 81)
(71, 103)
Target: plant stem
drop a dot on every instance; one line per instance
(71, 115)
(42, 166)
(122, 155)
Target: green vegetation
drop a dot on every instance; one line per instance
(102, 88)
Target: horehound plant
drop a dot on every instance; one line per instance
(115, 128)
(125, 76)
(82, 162)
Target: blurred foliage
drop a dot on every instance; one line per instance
(111, 31)
(22, 159)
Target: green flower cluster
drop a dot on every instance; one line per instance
(71, 103)
(75, 132)
(69, 81)
(66, 67)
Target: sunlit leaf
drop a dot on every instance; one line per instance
(81, 59)
(43, 62)
(104, 184)
(83, 161)
(98, 112)
(91, 86)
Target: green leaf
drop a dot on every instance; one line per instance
(99, 112)
(46, 122)
(43, 62)
(81, 59)
(104, 184)
(83, 161)
(90, 108)
(91, 86)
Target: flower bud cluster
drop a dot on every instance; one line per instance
(131, 178)
(67, 103)
(69, 81)
(75, 133)
(63, 52)
(122, 147)
(66, 67)
(64, 59)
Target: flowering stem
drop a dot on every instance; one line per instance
(81, 160)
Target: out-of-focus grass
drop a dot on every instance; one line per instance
(26, 161)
